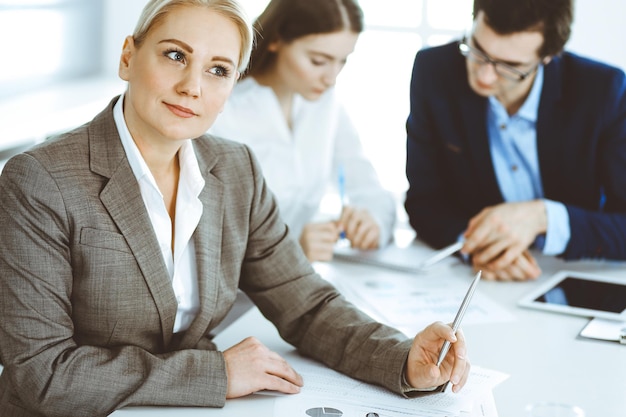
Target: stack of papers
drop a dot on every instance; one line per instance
(410, 303)
(326, 390)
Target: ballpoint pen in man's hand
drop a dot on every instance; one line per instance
(441, 254)
(459, 316)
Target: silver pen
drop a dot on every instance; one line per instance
(459, 316)
(442, 254)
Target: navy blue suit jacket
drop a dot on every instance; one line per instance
(581, 145)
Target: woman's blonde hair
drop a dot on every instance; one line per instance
(156, 10)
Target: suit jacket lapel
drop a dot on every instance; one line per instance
(474, 111)
(550, 140)
(122, 198)
(208, 253)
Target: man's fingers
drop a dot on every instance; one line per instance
(526, 268)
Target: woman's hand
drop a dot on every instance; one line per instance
(318, 240)
(422, 371)
(252, 367)
(360, 227)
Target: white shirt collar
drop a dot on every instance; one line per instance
(190, 171)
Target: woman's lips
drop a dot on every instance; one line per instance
(180, 111)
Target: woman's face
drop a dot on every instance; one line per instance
(309, 65)
(181, 75)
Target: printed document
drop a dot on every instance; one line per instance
(324, 387)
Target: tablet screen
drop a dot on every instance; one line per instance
(588, 294)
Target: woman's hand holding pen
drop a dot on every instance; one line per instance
(422, 371)
(359, 227)
(318, 240)
(252, 367)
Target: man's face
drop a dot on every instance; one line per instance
(518, 50)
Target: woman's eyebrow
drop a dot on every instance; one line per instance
(225, 59)
(189, 49)
(182, 44)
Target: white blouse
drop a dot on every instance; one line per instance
(181, 261)
(301, 163)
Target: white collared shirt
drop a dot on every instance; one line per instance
(303, 162)
(181, 262)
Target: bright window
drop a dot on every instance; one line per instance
(51, 41)
(374, 85)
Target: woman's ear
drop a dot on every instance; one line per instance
(274, 46)
(125, 59)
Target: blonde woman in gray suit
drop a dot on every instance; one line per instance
(124, 243)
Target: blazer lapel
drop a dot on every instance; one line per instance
(208, 250)
(474, 111)
(550, 138)
(122, 198)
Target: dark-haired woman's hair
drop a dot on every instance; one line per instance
(552, 18)
(287, 20)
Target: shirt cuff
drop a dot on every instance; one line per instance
(558, 231)
(410, 392)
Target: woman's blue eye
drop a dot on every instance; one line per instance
(220, 71)
(175, 55)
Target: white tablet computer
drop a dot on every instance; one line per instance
(580, 294)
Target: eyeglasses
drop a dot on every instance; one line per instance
(502, 69)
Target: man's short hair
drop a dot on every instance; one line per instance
(552, 18)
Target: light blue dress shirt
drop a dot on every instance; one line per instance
(513, 146)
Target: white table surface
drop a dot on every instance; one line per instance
(541, 351)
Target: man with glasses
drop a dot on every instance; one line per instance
(514, 144)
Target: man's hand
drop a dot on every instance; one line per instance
(523, 268)
(360, 227)
(422, 371)
(252, 367)
(497, 236)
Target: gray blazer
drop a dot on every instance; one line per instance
(86, 304)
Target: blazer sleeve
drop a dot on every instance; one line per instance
(432, 165)
(46, 368)
(600, 232)
(308, 312)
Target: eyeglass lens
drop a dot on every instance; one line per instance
(481, 58)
